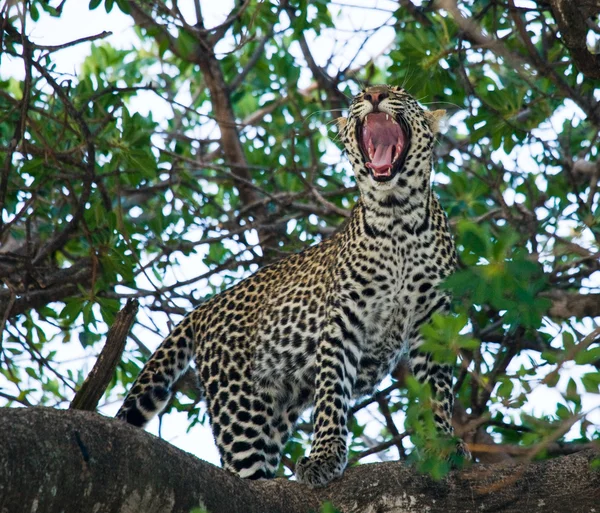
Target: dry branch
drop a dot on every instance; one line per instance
(95, 384)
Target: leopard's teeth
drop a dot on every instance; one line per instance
(396, 154)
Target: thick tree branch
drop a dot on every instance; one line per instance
(80, 461)
(571, 304)
(56, 285)
(571, 18)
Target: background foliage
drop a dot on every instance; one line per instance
(103, 201)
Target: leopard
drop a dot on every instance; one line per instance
(325, 326)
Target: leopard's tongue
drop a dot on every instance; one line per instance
(381, 162)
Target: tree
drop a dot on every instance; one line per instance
(101, 201)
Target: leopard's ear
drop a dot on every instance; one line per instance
(435, 119)
(341, 123)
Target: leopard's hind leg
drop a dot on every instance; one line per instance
(242, 427)
(251, 422)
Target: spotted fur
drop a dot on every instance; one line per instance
(324, 326)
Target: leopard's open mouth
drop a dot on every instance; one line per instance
(384, 142)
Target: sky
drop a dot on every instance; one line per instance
(78, 22)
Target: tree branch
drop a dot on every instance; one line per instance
(59, 285)
(81, 461)
(571, 20)
(19, 130)
(87, 39)
(95, 384)
(476, 35)
(325, 82)
(222, 109)
(258, 51)
(571, 304)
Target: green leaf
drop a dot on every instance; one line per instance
(124, 6)
(550, 356)
(591, 382)
(33, 12)
(186, 44)
(71, 310)
(572, 394)
(568, 340)
(562, 412)
(327, 507)
(506, 387)
(590, 355)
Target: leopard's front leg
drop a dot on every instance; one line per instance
(439, 376)
(336, 368)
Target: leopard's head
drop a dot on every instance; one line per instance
(389, 139)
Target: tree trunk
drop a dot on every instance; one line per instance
(76, 461)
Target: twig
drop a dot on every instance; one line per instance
(571, 353)
(20, 126)
(59, 239)
(54, 48)
(475, 34)
(378, 448)
(374, 398)
(390, 424)
(22, 401)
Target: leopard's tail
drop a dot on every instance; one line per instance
(153, 388)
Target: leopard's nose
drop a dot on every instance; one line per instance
(375, 96)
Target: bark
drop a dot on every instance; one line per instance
(571, 304)
(571, 18)
(94, 386)
(55, 285)
(57, 460)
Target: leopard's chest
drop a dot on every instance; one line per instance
(397, 288)
(395, 305)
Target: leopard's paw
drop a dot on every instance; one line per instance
(460, 456)
(318, 471)
(462, 450)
